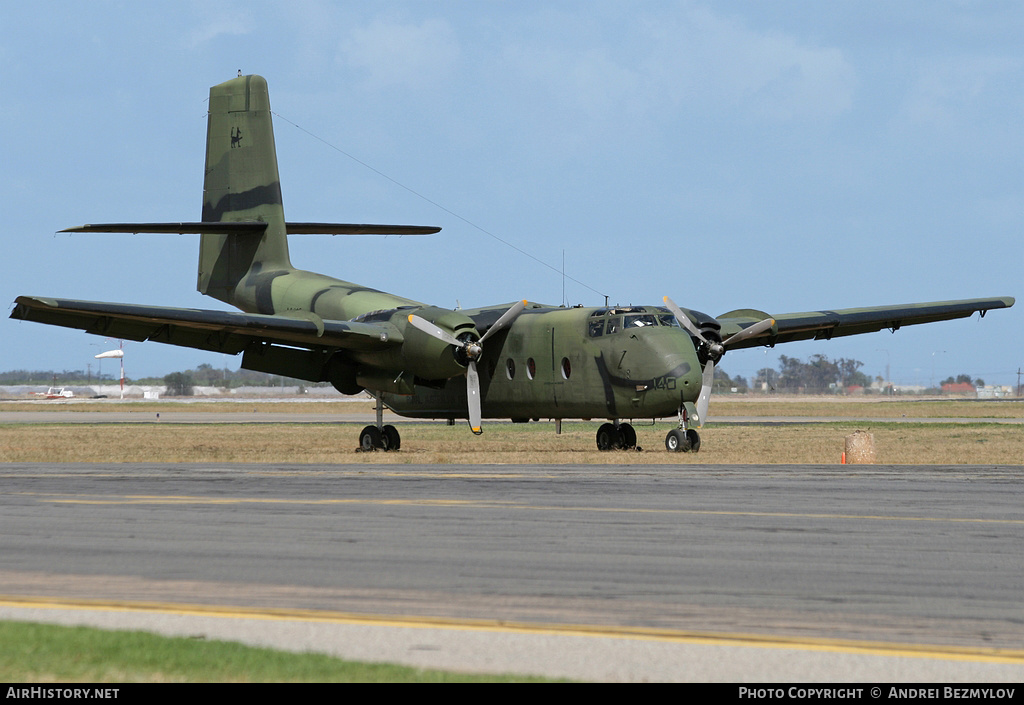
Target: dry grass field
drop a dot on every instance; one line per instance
(763, 437)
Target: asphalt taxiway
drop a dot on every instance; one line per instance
(687, 573)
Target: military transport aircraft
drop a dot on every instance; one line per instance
(517, 361)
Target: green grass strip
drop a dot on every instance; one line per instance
(32, 653)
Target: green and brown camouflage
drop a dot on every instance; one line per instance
(241, 184)
(516, 361)
(252, 270)
(614, 363)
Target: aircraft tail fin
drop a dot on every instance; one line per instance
(241, 184)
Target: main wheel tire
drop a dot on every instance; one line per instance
(392, 441)
(370, 439)
(628, 436)
(606, 437)
(677, 441)
(694, 439)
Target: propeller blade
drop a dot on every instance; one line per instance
(472, 350)
(713, 351)
(683, 319)
(473, 398)
(707, 379)
(432, 330)
(750, 332)
(505, 319)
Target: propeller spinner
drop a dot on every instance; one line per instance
(469, 351)
(714, 351)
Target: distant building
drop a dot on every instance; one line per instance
(991, 391)
(908, 389)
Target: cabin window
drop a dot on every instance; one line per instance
(566, 368)
(510, 369)
(531, 368)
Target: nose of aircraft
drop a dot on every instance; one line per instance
(690, 381)
(673, 363)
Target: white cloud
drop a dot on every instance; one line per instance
(661, 68)
(394, 53)
(213, 21)
(700, 57)
(947, 90)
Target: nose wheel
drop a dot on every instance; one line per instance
(681, 440)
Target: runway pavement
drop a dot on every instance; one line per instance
(669, 573)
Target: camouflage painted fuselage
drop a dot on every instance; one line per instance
(574, 363)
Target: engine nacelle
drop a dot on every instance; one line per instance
(422, 355)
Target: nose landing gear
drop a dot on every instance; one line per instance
(683, 439)
(680, 440)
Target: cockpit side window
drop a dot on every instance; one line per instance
(640, 321)
(614, 325)
(667, 319)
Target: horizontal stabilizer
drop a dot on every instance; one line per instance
(254, 228)
(215, 228)
(354, 229)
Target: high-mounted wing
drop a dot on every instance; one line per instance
(823, 325)
(306, 339)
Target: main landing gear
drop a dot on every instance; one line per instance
(379, 436)
(616, 436)
(383, 438)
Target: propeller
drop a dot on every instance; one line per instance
(469, 351)
(713, 350)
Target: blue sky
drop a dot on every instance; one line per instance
(784, 156)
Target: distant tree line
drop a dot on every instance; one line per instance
(963, 379)
(64, 377)
(818, 374)
(204, 375)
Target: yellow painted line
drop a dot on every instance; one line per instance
(877, 648)
(192, 499)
